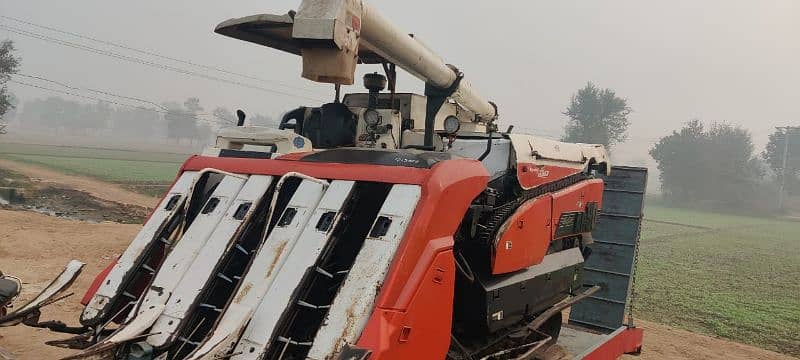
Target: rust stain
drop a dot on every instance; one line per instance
(277, 256)
(349, 322)
(242, 293)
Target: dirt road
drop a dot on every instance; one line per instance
(97, 188)
(36, 247)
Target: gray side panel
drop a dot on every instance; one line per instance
(612, 261)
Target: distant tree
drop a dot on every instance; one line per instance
(53, 113)
(262, 120)
(596, 116)
(715, 166)
(103, 115)
(11, 114)
(136, 123)
(224, 117)
(773, 156)
(192, 105)
(181, 122)
(8, 65)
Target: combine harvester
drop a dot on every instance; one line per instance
(380, 226)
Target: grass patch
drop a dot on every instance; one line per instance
(128, 167)
(124, 171)
(736, 279)
(89, 153)
(146, 172)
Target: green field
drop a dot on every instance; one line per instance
(730, 276)
(106, 169)
(142, 171)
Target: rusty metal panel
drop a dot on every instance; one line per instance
(302, 256)
(275, 249)
(162, 214)
(204, 265)
(225, 335)
(142, 317)
(308, 203)
(196, 236)
(356, 298)
(613, 258)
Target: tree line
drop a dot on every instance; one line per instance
(8, 65)
(713, 166)
(180, 122)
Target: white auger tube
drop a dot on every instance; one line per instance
(389, 41)
(350, 24)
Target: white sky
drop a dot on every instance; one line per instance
(722, 60)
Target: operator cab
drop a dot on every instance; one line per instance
(380, 120)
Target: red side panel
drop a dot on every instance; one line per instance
(532, 175)
(523, 239)
(627, 341)
(575, 198)
(413, 312)
(98, 280)
(446, 195)
(423, 330)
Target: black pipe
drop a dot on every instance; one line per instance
(488, 148)
(436, 97)
(434, 103)
(240, 115)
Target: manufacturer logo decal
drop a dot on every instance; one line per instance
(542, 173)
(401, 160)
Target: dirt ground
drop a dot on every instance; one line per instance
(59, 199)
(96, 188)
(36, 246)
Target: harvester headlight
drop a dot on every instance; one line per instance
(451, 125)
(372, 118)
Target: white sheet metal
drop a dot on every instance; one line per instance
(269, 259)
(203, 267)
(63, 281)
(105, 349)
(302, 256)
(227, 332)
(144, 320)
(353, 304)
(540, 151)
(187, 248)
(113, 282)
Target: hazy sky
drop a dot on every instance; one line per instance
(734, 61)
